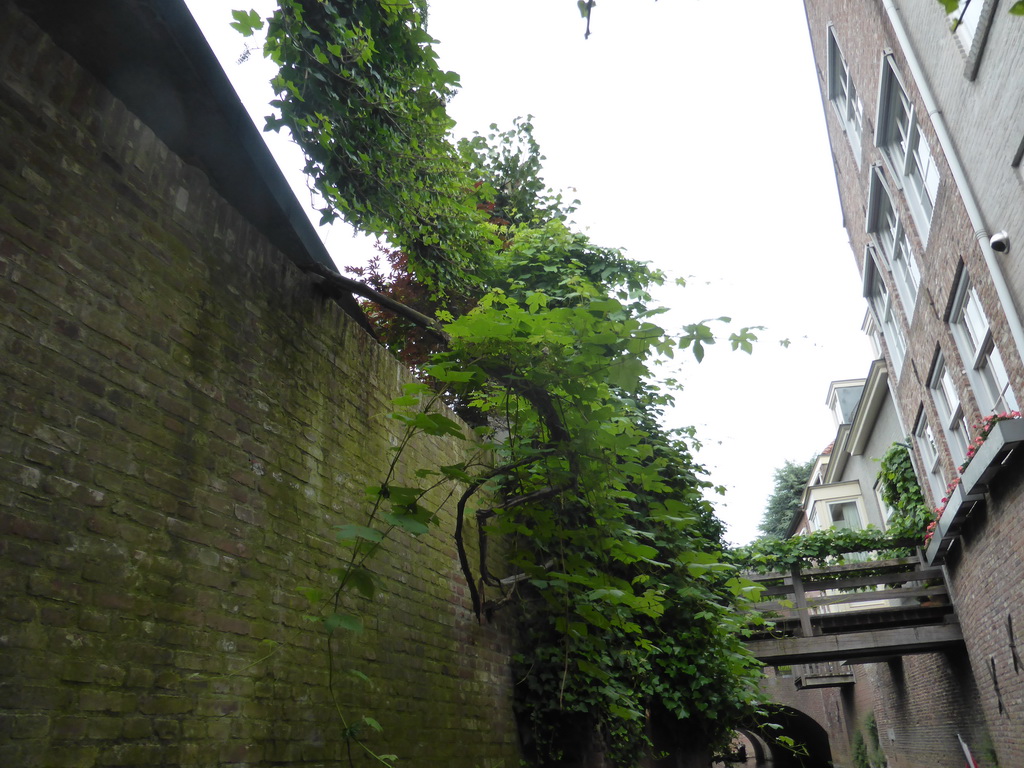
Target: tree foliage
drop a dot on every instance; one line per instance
(786, 499)
(627, 605)
(360, 90)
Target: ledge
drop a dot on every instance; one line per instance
(832, 680)
(960, 505)
(993, 454)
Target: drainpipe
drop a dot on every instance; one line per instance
(959, 177)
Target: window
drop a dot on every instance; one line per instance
(844, 514)
(905, 149)
(885, 224)
(844, 96)
(836, 513)
(951, 412)
(870, 328)
(887, 511)
(930, 457)
(965, 21)
(974, 339)
(881, 304)
(970, 22)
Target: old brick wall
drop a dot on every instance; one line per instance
(922, 702)
(184, 421)
(987, 577)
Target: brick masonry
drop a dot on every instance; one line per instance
(184, 421)
(923, 701)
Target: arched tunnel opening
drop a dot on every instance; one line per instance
(763, 747)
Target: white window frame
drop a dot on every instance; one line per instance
(871, 330)
(880, 300)
(973, 336)
(844, 96)
(859, 522)
(905, 148)
(886, 511)
(930, 461)
(886, 226)
(950, 409)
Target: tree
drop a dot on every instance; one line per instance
(790, 480)
(616, 569)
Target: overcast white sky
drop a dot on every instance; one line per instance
(692, 133)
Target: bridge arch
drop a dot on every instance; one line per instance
(815, 751)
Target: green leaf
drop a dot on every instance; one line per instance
(343, 621)
(592, 670)
(457, 472)
(312, 594)
(405, 401)
(433, 424)
(354, 532)
(407, 523)
(362, 580)
(246, 22)
(1017, 9)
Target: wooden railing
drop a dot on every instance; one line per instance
(892, 599)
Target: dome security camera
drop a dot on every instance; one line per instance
(1000, 242)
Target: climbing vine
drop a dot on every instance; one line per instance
(900, 490)
(360, 90)
(627, 606)
(631, 616)
(907, 526)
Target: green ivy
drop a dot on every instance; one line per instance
(900, 490)
(360, 90)
(907, 526)
(630, 611)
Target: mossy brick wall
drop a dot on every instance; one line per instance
(183, 423)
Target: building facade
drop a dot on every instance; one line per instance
(926, 123)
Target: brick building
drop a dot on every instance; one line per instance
(926, 123)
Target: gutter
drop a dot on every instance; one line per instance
(959, 177)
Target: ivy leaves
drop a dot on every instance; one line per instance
(628, 601)
(361, 92)
(552, 344)
(907, 525)
(900, 490)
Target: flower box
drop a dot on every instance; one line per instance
(988, 462)
(959, 506)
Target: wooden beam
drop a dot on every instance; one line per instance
(855, 582)
(804, 682)
(903, 563)
(801, 604)
(900, 641)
